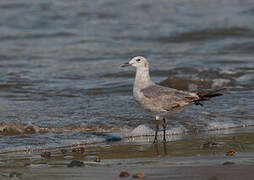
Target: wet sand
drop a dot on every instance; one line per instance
(190, 158)
(181, 168)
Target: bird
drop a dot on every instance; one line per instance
(159, 100)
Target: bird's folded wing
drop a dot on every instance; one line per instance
(168, 98)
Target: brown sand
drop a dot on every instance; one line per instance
(167, 168)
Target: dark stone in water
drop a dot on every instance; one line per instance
(108, 137)
(228, 163)
(46, 155)
(76, 163)
(210, 144)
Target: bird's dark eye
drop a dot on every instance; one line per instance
(138, 60)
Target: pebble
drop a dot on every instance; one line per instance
(228, 163)
(139, 175)
(76, 163)
(210, 144)
(68, 157)
(124, 174)
(230, 153)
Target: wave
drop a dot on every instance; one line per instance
(208, 34)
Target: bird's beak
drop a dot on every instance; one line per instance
(125, 64)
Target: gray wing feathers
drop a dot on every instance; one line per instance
(168, 98)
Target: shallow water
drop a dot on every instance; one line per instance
(60, 65)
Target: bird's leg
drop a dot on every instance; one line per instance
(156, 130)
(164, 125)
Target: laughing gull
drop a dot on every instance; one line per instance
(159, 100)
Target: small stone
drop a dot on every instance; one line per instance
(230, 153)
(210, 144)
(124, 174)
(46, 155)
(228, 163)
(68, 157)
(76, 163)
(97, 160)
(139, 175)
(80, 150)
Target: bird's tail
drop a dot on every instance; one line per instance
(206, 95)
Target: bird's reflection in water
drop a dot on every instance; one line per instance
(157, 149)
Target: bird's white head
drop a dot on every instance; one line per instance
(138, 62)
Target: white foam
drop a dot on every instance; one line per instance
(246, 77)
(228, 72)
(220, 82)
(220, 125)
(142, 130)
(174, 131)
(247, 123)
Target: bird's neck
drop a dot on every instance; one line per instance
(142, 79)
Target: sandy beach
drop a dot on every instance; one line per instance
(181, 168)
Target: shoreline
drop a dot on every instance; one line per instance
(117, 137)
